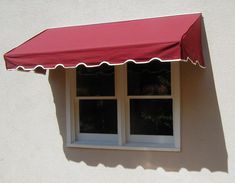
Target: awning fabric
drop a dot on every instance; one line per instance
(171, 38)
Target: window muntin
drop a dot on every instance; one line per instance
(124, 139)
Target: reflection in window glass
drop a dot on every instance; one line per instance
(98, 116)
(151, 117)
(153, 78)
(97, 81)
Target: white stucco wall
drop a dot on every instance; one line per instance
(32, 115)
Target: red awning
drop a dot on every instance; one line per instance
(172, 38)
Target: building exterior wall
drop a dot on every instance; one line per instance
(32, 106)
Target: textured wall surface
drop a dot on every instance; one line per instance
(32, 106)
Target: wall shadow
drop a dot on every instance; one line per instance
(203, 144)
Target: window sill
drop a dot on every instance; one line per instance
(127, 146)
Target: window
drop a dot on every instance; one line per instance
(132, 106)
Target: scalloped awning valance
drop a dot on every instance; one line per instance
(171, 38)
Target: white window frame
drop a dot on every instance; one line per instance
(123, 140)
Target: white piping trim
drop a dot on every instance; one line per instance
(194, 63)
(106, 62)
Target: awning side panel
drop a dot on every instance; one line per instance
(191, 44)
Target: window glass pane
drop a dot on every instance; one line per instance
(153, 78)
(98, 116)
(97, 81)
(151, 117)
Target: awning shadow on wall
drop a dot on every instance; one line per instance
(202, 137)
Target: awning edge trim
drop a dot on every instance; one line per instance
(196, 62)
